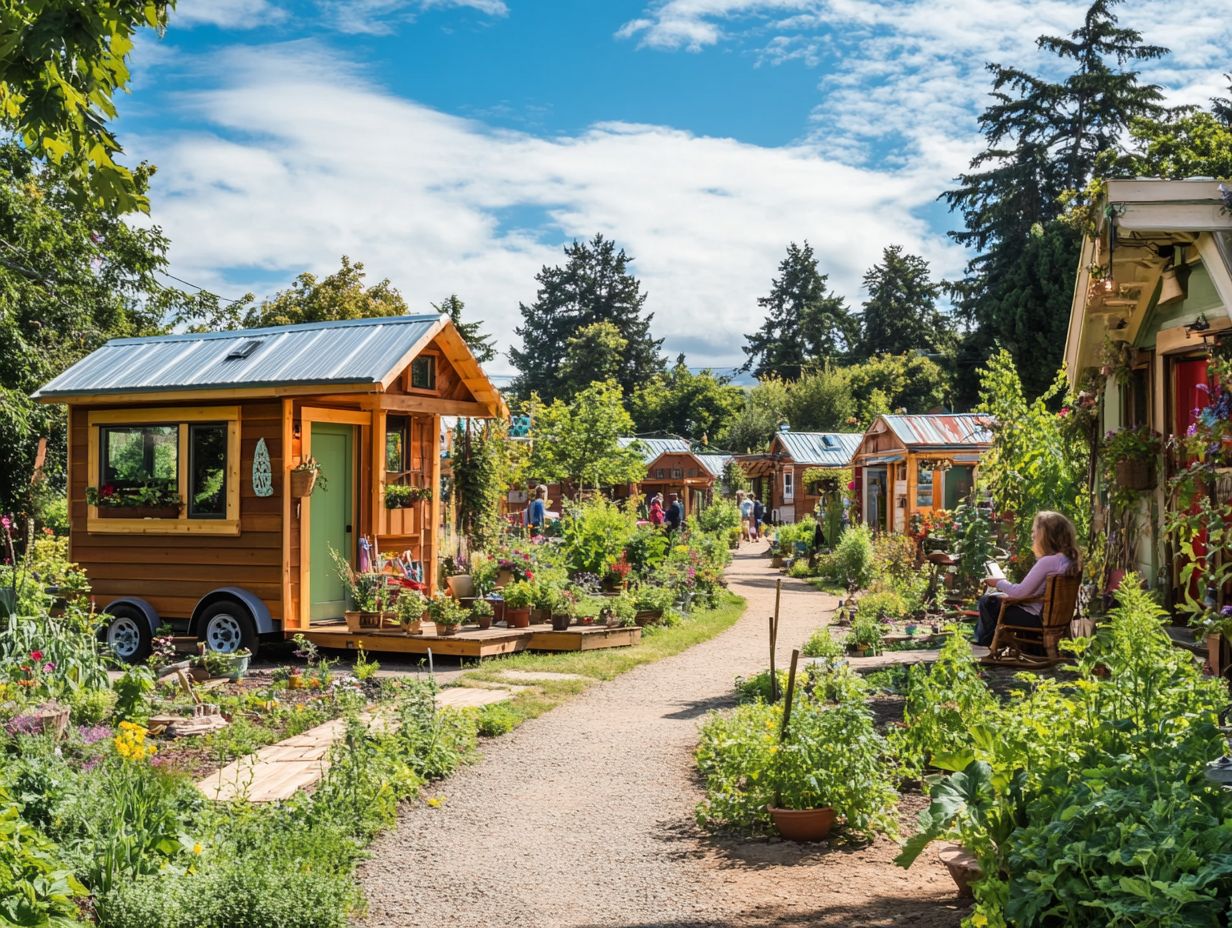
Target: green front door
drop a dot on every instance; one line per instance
(330, 519)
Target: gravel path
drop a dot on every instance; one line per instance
(584, 816)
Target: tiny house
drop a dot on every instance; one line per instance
(778, 475)
(673, 467)
(182, 451)
(920, 463)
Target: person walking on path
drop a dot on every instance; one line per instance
(746, 516)
(536, 513)
(675, 513)
(759, 513)
(656, 511)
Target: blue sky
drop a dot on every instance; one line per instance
(455, 145)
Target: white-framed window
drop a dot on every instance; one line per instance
(924, 487)
(789, 486)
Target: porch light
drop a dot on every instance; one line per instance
(1198, 326)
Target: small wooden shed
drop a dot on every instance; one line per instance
(910, 464)
(673, 467)
(778, 475)
(181, 452)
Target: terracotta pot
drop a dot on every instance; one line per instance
(504, 577)
(803, 824)
(964, 868)
(483, 621)
(540, 616)
(303, 482)
(498, 610)
(560, 623)
(359, 621)
(295, 681)
(777, 562)
(517, 618)
(1135, 475)
(445, 630)
(413, 628)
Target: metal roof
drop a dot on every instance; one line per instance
(714, 462)
(941, 430)
(349, 351)
(653, 447)
(822, 449)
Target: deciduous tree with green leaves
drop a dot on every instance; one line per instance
(577, 443)
(340, 295)
(62, 62)
(696, 405)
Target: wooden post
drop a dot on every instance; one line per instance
(774, 639)
(791, 690)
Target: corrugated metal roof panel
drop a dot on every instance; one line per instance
(714, 462)
(822, 449)
(653, 447)
(945, 430)
(351, 351)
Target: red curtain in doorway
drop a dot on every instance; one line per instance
(1190, 392)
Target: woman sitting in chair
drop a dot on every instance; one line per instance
(1054, 541)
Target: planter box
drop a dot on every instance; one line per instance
(303, 482)
(1135, 475)
(648, 617)
(359, 621)
(138, 512)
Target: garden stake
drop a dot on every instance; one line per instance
(774, 688)
(791, 689)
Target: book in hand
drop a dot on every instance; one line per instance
(993, 570)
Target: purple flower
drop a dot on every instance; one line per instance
(23, 725)
(92, 734)
(1226, 611)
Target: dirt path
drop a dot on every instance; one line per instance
(584, 816)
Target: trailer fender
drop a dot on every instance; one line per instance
(149, 612)
(259, 611)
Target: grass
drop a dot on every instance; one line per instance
(599, 665)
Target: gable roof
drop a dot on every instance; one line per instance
(651, 448)
(356, 352)
(822, 449)
(714, 462)
(941, 430)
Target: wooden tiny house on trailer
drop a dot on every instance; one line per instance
(181, 450)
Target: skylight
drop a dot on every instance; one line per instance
(244, 350)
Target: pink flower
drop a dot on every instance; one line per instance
(49, 667)
(6, 521)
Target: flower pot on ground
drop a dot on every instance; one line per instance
(803, 824)
(621, 611)
(963, 866)
(295, 679)
(233, 665)
(651, 602)
(520, 598)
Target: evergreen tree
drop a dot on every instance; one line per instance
(901, 314)
(593, 352)
(593, 285)
(806, 324)
(1044, 139)
(478, 341)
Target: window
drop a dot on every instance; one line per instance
(789, 486)
(677, 473)
(423, 373)
(397, 444)
(924, 486)
(140, 455)
(165, 470)
(660, 473)
(207, 471)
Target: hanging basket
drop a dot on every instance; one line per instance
(302, 482)
(1135, 475)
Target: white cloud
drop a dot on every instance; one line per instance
(289, 169)
(905, 72)
(378, 17)
(227, 14)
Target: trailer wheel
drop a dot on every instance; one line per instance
(127, 633)
(227, 626)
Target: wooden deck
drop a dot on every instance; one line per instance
(471, 641)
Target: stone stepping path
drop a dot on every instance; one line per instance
(279, 771)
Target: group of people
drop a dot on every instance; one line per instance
(672, 517)
(752, 515)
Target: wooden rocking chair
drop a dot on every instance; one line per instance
(1059, 601)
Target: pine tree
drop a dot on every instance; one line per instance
(901, 314)
(1044, 139)
(594, 285)
(806, 324)
(478, 341)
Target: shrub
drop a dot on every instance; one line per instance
(595, 534)
(853, 557)
(881, 602)
(831, 757)
(800, 569)
(865, 634)
(822, 644)
(720, 518)
(496, 719)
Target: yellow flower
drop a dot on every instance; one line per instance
(436, 802)
(979, 920)
(197, 848)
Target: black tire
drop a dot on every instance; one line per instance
(127, 634)
(227, 626)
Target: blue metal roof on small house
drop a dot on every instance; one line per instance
(653, 447)
(353, 351)
(821, 449)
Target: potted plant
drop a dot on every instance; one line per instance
(547, 602)
(562, 609)
(621, 611)
(617, 575)
(153, 499)
(585, 609)
(367, 590)
(864, 638)
(651, 602)
(409, 609)
(1132, 454)
(306, 476)
(233, 664)
(482, 612)
(398, 496)
(519, 597)
(446, 613)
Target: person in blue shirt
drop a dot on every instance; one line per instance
(537, 512)
(675, 513)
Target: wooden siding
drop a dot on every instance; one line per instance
(173, 572)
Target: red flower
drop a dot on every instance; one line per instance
(106, 490)
(36, 655)
(530, 575)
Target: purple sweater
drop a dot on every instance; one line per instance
(1033, 583)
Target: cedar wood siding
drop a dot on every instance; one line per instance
(173, 572)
